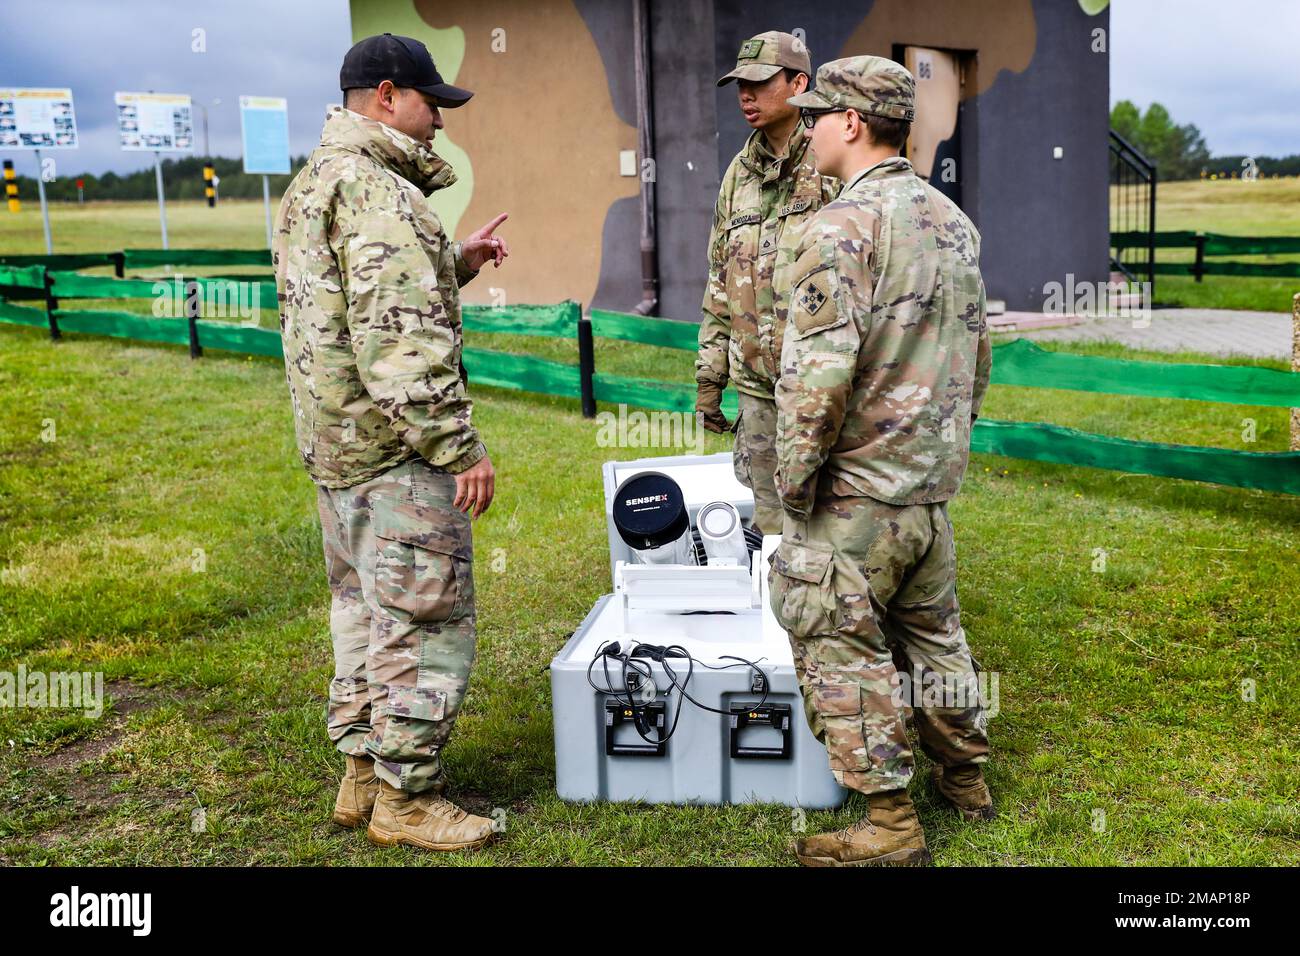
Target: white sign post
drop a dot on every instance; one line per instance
(157, 122)
(38, 119)
(264, 123)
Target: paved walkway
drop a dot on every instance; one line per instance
(1214, 331)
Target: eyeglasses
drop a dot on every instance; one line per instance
(809, 116)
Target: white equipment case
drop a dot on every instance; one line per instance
(607, 739)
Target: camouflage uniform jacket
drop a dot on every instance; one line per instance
(369, 307)
(762, 207)
(886, 357)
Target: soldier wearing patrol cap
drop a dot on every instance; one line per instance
(885, 363)
(769, 191)
(370, 320)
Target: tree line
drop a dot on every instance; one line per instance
(182, 179)
(1179, 152)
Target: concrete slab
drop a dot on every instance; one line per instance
(1213, 331)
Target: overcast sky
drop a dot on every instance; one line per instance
(1229, 66)
(1232, 67)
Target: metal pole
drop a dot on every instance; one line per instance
(1151, 237)
(45, 209)
(162, 202)
(51, 307)
(192, 294)
(643, 65)
(266, 201)
(587, 367)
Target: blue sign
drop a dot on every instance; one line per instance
(265, 124)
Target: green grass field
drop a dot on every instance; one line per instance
(1267, 207)
(167, 536)
(231, 224)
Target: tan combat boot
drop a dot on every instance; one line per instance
(425, 820)
(889, 835)
(963, 786)
(357, 793)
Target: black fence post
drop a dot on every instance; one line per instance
(192, 315)
(1151, 234)
(51, 305)
(119, 264)
(1198, 269)
(587, 367)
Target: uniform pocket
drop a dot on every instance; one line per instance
(413, 714)
(801, 589)
(740, 451)
(424, 571)
(840, 709)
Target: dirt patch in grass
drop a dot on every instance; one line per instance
(97, 792)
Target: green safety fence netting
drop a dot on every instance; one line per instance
(1162, 240)
(648, 331)
(650, 393)
(71, 260)
(1215, 244)
(23, 315)
(1023, 363)
(224, 294)
(488, 367)
(1020, 363)
(1277, 269)
(149, 258)
(1037, 441)
(22, 277)
(559, 321)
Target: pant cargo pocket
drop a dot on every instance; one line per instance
(840, 708)
(412, 718)
(800, 583)
(424, 571)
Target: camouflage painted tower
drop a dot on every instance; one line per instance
(1003, 86)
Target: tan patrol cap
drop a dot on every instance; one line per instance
(766, 55)
(868, 84)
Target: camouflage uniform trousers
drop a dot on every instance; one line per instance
(753, 458)
(399, 559)
(865, 590)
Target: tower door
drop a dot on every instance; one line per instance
(934, 146)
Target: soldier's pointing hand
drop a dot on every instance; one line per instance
(481, 247)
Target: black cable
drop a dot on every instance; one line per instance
(635, 660)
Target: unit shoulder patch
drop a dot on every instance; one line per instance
(814, 308)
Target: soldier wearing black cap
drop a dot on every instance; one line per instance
(370, 320)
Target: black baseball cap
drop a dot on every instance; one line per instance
(403, 60)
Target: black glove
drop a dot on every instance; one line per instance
(708, 407)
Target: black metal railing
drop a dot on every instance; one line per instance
(1132, 209)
